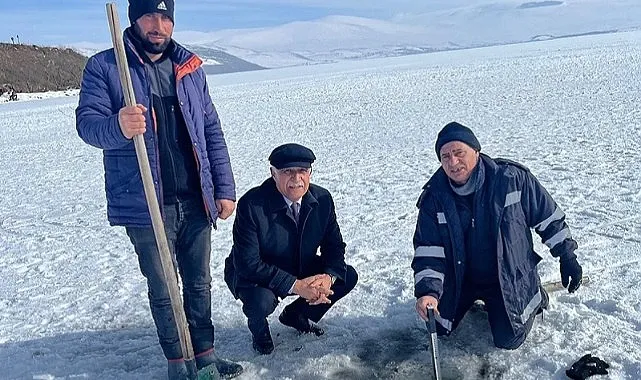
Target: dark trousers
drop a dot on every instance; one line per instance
(259, 303)
(503, 334)
(189, 235)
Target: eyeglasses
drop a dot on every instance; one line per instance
(292, 172)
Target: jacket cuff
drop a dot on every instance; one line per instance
(222, 193)
(334, 274)
(116, 132)
(229, 198)
(282, 283)
(432, 288)
(431, 294)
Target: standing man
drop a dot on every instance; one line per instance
(473, 240)
(279, 228)
(189, 163)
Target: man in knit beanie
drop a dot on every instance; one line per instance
(458, 135)
(169, 83)
(139, 8)
(153, 24)
(473, 240)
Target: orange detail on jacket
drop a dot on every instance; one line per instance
(188, 67)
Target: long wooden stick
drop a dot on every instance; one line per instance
(150, 192)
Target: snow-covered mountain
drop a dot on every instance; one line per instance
(216, 61)
(457, 26)
(483, 23)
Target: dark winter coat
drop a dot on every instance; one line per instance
(517, 203)
(101, 98)
(269, 249)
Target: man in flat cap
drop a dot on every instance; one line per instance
(189, 162)
(473, 240)
(279, 228)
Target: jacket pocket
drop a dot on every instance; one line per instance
(122, 174)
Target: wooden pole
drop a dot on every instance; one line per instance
(171, 277)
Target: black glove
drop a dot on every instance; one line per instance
(587, 366)
(571, 268)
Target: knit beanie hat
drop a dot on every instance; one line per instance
(456, 132)
(138, 8)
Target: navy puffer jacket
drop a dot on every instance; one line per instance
(101, 98)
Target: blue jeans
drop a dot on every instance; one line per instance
(189, 236)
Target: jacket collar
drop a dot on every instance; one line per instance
(491, 167)
(178, 54)
(439, 179)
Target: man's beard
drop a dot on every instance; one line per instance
(150, 47)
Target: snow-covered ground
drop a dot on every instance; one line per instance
(73, 304)
(39, 95)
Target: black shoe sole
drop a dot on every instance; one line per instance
(263, 350)
(231, 375)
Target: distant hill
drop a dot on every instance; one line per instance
(216, 61)
(432, 26)
(30, 68)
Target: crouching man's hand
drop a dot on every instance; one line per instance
(425, 302)
(314, 289)
(322, 282)
(571, 274)
(313, 294)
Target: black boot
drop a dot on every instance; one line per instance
(300, 322)
(261, 338)
(262, 342)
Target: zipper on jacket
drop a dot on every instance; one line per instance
(197, 159)
(161, 200)
(475, 200)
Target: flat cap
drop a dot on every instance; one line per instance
(291, 155)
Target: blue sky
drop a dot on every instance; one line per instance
(55, 22)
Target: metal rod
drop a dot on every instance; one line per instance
(431, 326)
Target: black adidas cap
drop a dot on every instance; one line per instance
(139, 8)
